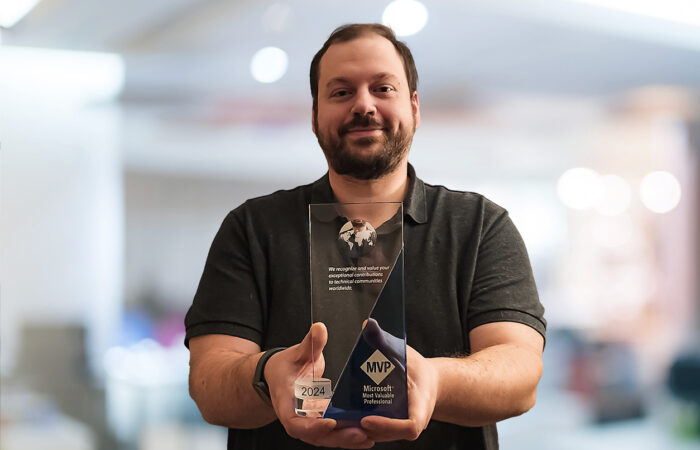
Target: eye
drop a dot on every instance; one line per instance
(340, 93)
(386, 89)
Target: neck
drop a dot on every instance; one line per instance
(392, 187)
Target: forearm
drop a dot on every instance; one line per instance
(488, 386)
(221, 386)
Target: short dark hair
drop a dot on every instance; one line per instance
(352, 31)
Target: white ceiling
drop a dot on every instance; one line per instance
(512, 76)
(193, 49)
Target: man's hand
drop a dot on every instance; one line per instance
(497, 381)
(282, 370)
(422, 395)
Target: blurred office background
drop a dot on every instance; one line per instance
(128, 129)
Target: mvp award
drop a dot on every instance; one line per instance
(357, 291)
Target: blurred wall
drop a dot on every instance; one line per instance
(61, 226)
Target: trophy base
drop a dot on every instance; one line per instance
(302, 408)
(312, 396)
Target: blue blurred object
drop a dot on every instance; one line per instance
(136, 326)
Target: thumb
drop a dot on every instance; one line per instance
(315, 340)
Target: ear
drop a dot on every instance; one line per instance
(313, 119)
(415, 106)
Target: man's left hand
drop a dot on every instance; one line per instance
(422, 394)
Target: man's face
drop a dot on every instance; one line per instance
(365, 116)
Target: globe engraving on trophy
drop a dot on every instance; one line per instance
(357, 238)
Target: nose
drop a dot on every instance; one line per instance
(363, 103)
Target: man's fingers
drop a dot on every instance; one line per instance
(322, 432)
(306, 428)
(381, 429)
(313, 343)
(371, 329)
(319, 338)
(346, 438)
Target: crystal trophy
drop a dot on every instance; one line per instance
(357, 291)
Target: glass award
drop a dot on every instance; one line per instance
(357, 291)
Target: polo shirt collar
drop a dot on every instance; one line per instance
(414, 205)
(321, 191)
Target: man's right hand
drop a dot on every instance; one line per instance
(281, 371)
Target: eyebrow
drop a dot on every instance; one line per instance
(377, 77)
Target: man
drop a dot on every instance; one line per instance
(474, 324)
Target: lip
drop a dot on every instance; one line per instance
(363, 132)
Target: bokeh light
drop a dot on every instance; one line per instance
(660, 192)
(269, 64)
(580, 188)
(405, 17)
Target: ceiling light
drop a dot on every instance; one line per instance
(580, 188)
(405, 17)
(660, 192)
(269, 64)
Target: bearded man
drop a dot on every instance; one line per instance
(474, 324)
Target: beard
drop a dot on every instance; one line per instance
(344, 161)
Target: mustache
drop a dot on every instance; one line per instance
(366, 121)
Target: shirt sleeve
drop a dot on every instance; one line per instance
(227, 300)
(503, 288)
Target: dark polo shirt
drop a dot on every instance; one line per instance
(465, 266)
